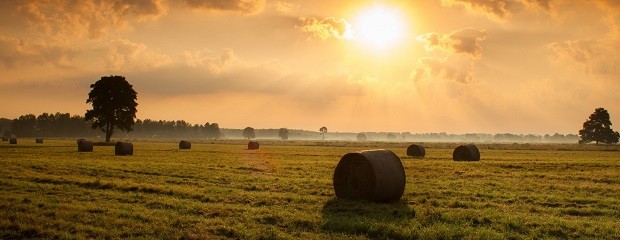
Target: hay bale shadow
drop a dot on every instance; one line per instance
(365, 218)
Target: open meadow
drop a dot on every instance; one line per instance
(219, 189)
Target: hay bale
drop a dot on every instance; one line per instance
(467, 152)
(185, 145)
(374, 175)
(13, 140)
(252, 145)
(84, 146)
(38, 140)
(123, 149)
(416, 151)
(4, 139)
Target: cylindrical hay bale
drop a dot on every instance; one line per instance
(13, 141)
(39, 140)
(185, 145)
(4, 139)
(467, 152)
(416, 151)
(84, 146)
(123, 148)
(253, 145)
(374, 175)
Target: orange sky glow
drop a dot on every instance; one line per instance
(457, 66)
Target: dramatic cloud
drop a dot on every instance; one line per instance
(462, 41)
(16, 53)
(326, 28)
(67, 20)
(240, 6)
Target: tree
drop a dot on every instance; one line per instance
(361, 137)
(283, 133)
(390, 137)
(323, 131)
(598, 129)
(248, 133)
(114, 105)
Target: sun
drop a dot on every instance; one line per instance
(379, 26)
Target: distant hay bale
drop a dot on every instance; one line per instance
(252, 145)
(374, 175)
(84, 146)
(4, 139)
(13, 141)
(185, 145)
(39, 140)
(467, 152)
(123, 149)
(416, 151)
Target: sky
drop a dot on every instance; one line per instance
(456, 66)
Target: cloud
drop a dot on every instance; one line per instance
(593, 56)
(239, 6)
(326, 28)
(123, 55)
(492, 8)
(284, 7)
(66, 20)
(452, 70)
(465, 41)
(18, 53)
(232, 75)
(214, 65)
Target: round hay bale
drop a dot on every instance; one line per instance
(416, 151)
(123, 149)
(467, 152)
(13, 141)
(4, 139)
(185, 145)
(84, 146)
(374, 175)
(39, 140)
(252, 145)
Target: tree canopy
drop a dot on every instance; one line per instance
(598, 129)
(323, 131)
(114, 105)
(283, 133)
(248, 133)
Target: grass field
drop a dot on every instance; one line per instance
(284, 191)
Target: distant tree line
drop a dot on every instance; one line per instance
(64, 125)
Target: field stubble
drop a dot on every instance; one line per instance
(218, 189)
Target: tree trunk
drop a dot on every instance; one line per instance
(108, 132)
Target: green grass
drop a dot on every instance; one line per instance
(284, 191)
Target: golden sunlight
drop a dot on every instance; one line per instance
(379, 26)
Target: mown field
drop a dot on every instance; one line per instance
(284, 190)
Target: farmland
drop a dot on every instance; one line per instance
(283, 190)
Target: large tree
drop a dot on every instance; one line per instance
(114, 105)
(598, 129)
(248, 133)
